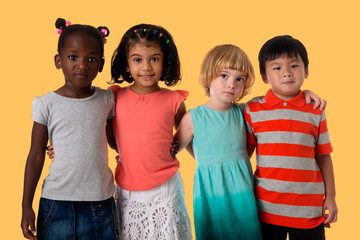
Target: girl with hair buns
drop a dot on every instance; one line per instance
(77, 195)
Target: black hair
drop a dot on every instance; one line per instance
(280, 45)
(75, 28)
(148, 34)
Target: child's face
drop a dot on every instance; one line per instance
(228, 86)
(285, 76)
(145, 64)
(80, 60)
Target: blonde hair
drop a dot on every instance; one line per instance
(222, 57)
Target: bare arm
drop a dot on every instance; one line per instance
(110, 134)
(326, 167)
(185, 132)
(180, 113)
(33, 169)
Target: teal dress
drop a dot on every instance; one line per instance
(224, 202)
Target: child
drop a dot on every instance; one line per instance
(150, 195)
(77, 195)
(294, 169)
(224, 203)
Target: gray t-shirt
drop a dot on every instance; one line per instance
(79, 171)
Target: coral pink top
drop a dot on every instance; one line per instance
(143, 128)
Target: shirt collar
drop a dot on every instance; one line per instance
(272, 100)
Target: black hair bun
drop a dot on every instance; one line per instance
(107, 30)
(60, 23)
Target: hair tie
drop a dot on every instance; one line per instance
(104, 32)
(60, 24)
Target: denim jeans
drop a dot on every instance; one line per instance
(70, 220)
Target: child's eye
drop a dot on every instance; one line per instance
(92, 59)
(72, 57)
(137, 60)
(154, 59)
(223, 75)
(240, 79)
(276, 68)
(294, 66)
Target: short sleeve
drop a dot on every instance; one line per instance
(114, 88)
(39, 112)
(250, 132)
(180, 96)
(323, 145)
(111, 103)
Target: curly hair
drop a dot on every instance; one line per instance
(147, 34)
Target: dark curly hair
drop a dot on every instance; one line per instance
(75, 28)
(148, 34)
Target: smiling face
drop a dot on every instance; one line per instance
(226, 88)
(145, 64)
(80, 60)
(285, 76)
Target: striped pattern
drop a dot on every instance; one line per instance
(288, 182)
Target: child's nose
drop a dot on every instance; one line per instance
(287, 72)
(147, 65)
(82, 64)
(231, 83)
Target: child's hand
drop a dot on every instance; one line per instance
(309, 95)
(174, 147)
(50, 152)
(28, 220)
(330, 206)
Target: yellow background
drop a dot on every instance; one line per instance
(329, 30)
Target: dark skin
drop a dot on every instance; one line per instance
(81, 60)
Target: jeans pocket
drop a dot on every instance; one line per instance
(47, 210)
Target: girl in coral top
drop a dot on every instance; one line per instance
(150, 195)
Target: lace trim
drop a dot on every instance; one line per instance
(161, 219)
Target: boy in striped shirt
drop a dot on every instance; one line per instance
(294, 179)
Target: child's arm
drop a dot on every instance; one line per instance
(309, 95)
(179, 114)
(110, 134)
(326, 167)
(249, 147)
(185, 133)
(33, 169)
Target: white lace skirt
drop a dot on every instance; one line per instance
(159, 213)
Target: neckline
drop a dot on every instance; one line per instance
(96, 90)
(143, 95)
(232, 105)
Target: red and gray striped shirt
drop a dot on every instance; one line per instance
(288, 183)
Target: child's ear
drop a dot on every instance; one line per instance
(101, 64)
(57, 60)
(127, 69)
(264, 78)
(306, 73)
